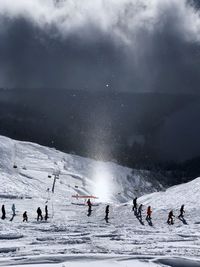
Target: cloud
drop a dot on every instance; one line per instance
(131, 45)
(122, 19)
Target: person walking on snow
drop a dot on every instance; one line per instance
(182, 211)
(3, 212)
(135, 204)
(107, 212)
(89, 205)
(39, 214)
(139, 214)
(13, 210)
(149, 212)
(25, 217)
(170, 218)
(46, 213)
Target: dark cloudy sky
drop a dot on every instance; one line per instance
(128, 45)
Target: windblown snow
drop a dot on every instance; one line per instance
(70, 237)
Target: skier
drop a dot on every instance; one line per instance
(107, 212)
(13, 210)
(46, 213)
(149, 212)
(3, 212)
(39, 214)
(182, 211)
(25, 217)
(135, 204)
(139, 214)
(170, 217)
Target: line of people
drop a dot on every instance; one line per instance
(138, 212)
(25, 215)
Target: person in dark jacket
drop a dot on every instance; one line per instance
(13, 210)
(170, 217)
(139, 213)
(25, 217)
(39, 214)
(107, 213)
(182, 211)
(135, 204)
(89, 207)
(3, 212)
(46, 213)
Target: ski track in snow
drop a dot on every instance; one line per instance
(70, 237)
(72, 232)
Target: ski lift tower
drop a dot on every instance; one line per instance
(56, 174)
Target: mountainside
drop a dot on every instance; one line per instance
(175, 196)
(134, 129)
(27, 170)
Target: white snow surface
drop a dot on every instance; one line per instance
(70, 237)
(106, 180)
(175, 196)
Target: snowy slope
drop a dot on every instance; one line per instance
(108, 181)
(70, 237)
(175, 196)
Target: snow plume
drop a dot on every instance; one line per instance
(128, 44)
(103, 179)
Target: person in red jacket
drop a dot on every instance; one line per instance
(149, 212)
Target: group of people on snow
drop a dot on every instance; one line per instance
(25, 215)
(170, 220)
(89, 204)
(137, 210)
(171, 215)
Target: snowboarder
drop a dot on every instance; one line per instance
(3, 212)
(13, 210)
(39, 214)
(135, 204)
(170, 217)
(46, 213)
(107, 213)
(25, 217)
(182, 211)
(149, 212)
(139, 213)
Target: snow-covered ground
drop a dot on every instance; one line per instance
(70, 237)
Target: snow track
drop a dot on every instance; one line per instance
(72, 232)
